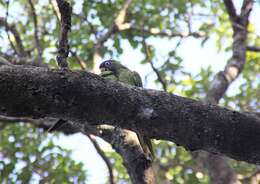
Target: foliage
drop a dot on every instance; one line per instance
(28, 156)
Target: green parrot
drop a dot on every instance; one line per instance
(113, 70)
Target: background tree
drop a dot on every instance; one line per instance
(30, 32)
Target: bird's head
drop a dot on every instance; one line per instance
(109, 65)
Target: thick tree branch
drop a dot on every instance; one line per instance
(83, 97)
(220, 171)
(236, 63)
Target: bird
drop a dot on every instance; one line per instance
(114, 70)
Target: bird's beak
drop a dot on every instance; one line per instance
(102, 69)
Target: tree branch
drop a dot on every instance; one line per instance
(126, 143)
(170, 34)
(236, 63)
(231, 10)
(18, 40)
(149, 59)
(140, 171)
(117, 24)
(253, 48)
(36, 32)
(246, 9)
(86, 99)
(79, 60)
(219, 169)
(103, 156)
(63, 51)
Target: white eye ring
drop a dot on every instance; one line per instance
(107, 63)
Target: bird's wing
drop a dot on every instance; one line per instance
(137, 79)
(108, 75)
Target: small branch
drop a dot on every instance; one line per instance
(119, 20)
(63, 51)
(149, 59)
(55, 9)
(115, 27)
(168, 33)
(20, 48)
(159, 77)
(79, 60)
(248, 180)
(246, 8)
(36, 32)
(104, 157)
(6, 29)
(231, 10)
(253, 48)
(4, 61)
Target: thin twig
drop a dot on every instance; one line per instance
(170, 34)
(249, 178)
(149, 59)
(253, 48)
(36, 36)
(63, 51)
(6, 28)
(104, 157)
(10, 27)
(79, 60)
(55, 9)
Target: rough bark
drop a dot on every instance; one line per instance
(126, 143)
(88, 99)
(63, 50)
(138, 166)
(219, 170)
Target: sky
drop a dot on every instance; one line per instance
(194, 58)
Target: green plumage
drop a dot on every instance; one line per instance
(118, 72)
(123, 75)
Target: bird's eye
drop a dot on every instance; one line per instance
(107, 63)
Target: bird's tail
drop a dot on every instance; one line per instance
(146, 145)
(57, 125)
